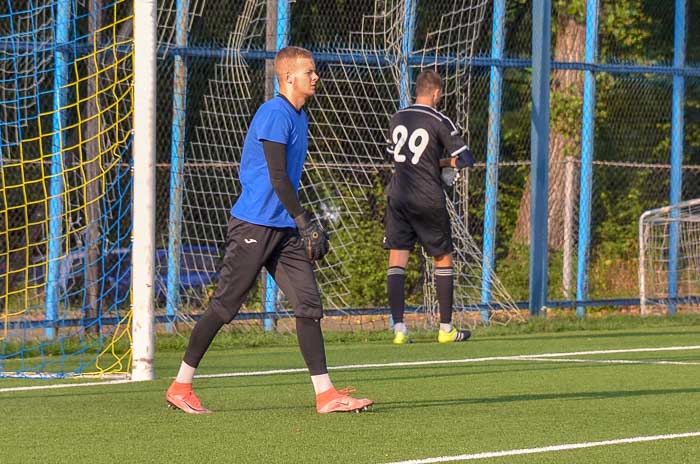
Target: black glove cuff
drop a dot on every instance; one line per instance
(465, 160)
(303, 221)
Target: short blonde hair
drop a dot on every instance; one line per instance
(287, 54)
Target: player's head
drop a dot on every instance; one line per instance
(296, 72)
(428, 88)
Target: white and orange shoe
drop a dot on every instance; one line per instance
(333, 400)
(181, 396)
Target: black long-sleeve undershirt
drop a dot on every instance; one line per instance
(276, 156)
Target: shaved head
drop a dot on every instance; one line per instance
(287, 57)
(427, 82)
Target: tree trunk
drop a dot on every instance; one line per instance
(565, 87)
(92, 159)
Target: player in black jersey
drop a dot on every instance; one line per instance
(419, 138)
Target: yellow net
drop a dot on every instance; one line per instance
(65, 187)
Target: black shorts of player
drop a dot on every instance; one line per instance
(405, 223)
(249, 248)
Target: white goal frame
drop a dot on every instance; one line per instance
(673, 261)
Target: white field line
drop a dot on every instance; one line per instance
(548, 449)
(522, 357)
(62, 385)
(614, 361)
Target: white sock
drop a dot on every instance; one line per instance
(321, 383)
(400, 327)
(446, 327)
(185, 374)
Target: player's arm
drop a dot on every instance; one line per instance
(276, 157)
(460, 156)
(312, 234)
(460, 160)
(447, 162)
(390, 145)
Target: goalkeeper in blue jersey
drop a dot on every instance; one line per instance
(419, 136)
(269, 228)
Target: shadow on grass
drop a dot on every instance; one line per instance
(597, 395)
(576, 335)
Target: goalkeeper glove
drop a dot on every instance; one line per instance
(313, 237)
(465, 159)
(449, 176)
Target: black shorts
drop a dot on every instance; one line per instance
(404, 224)
(249, 248)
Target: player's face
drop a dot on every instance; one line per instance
(304, 77)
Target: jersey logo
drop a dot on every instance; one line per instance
(250, 240)
(400, 137)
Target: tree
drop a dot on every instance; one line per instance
(624, 19)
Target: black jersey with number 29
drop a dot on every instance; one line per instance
(418, 137)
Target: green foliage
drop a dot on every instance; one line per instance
(617, 232)
(572, 8)
(566, 107)
(363, 260)
(623, 24)
(514, 272)
(626, 25)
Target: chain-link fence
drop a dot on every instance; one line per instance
(631, 170)
(366, 53)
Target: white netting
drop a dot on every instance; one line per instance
(669, 256)
(346, 170)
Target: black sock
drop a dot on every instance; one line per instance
(395, 280)
(203, 333)
(311, 344)
(444, 287)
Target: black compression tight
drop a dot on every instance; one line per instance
(311, 345)
(202, 335)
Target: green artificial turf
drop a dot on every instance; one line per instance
(421, 412)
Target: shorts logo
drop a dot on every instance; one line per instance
(250, 240)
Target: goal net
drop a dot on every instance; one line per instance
(669, 258)
(364, 80)
(65, 164)
(65, 133)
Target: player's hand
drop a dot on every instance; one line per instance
(449, 175)
(465, 159)
(314, 238)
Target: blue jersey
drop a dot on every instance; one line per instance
(276, 121)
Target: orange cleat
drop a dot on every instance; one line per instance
(340, 401)
(181, 396)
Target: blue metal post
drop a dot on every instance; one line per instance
(587, 155)
(282, 41)
(677, 135)
(409, 26)
(177, 164)
(56, 187)
(493, 153)
(539, 170)
(282, 30)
